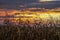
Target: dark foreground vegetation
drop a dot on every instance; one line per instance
(25, 31)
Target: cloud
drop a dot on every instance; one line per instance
(56, 9)
(1, 3)
(21, 4)
(44, 5)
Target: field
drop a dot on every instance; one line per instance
(28, 31)
(40, 27)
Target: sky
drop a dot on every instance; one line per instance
(21, 4)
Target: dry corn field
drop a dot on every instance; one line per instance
(27, 31)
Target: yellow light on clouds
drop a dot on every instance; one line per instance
(45, 0)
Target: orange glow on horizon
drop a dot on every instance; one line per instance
(32, 15)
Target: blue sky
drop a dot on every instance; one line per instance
(15, 4)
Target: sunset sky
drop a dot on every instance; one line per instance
(13, 7)
(21, 4)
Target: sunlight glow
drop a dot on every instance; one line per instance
(45, 0)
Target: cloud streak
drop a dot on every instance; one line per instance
(20, 4)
